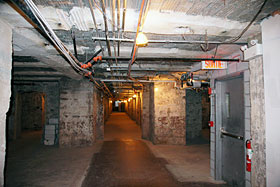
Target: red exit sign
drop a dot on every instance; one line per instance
(210, 64)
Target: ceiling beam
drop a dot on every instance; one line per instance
(168, 41)
(172, 59)
(37, 73)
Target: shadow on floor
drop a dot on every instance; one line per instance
(125, 160)
(31, 164)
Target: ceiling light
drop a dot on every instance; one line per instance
(134, 96)
(141, 40)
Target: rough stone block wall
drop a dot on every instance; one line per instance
(193, 115)
(106, 106)
(145, 119)
(5, 91)
(98, 114)
(76, 113)
(32, 104)
(170, 114)
(51, 94)
(138, 108)
(257, 122)
(205, 109)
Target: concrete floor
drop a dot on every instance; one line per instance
(31, 164)
(126, 160)
(123, 159)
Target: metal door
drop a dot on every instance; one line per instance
(232, 131)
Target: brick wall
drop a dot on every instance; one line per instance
(77, 127)
(50, 90)
(145, 123)
(99, 103)
(169, 126)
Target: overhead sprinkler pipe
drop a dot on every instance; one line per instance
(105, 86)
(124, 14)
(106, 27)
(119, 23)
(95, 24)
(113, 10)
(174, 59)
(33, 14)
(169, 41)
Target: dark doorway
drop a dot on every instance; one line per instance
(197, 117)
(27, 113)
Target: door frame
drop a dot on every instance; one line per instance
(218, 115)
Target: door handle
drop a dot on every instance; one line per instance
(225, 133)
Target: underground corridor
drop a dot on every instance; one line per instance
(145, 93)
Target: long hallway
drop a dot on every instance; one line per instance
(125, 160)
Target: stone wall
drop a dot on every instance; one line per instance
(193, 115)
(257, 122)
(134, 108)
(145, 123)
(170, 114)
(5, 91)
(99, 102)
(50, 90)
(32, 111)
(76, 113)
(138, 108)
(106, 106)
(205, 109)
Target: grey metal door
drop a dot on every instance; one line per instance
(232, 132)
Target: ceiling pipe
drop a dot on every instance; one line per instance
(177, 59)
(107, 89)
(95, 24)
(169, 41)
(124, 14)
(74, 43)
(134, 49)
(119, 23)
(124, 80)
(99, 86)
(113, 9)
(106, 27)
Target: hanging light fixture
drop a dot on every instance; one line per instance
(141, 40)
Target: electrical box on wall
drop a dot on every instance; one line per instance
(253, 52)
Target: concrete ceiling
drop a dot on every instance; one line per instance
(190, 20)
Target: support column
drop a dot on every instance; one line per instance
(145, 124)
(76, 113)
(170, 114)
(258, 175)
(5, 91)
(271, 55)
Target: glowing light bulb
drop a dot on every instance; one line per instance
(141, 40)
(134, 96)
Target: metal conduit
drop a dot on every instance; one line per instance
(168, 41)
(170, 59)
